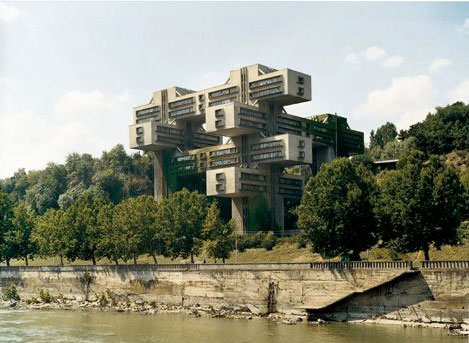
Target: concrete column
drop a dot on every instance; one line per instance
(159, 180)
(237, 214)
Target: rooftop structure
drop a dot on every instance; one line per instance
(234, 141)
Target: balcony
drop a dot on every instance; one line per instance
(235, 119)
(285, 86)
(154, 136)
(285, 149)
(236, 182)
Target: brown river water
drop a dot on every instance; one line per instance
(66, 326)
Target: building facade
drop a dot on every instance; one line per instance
(237, 142)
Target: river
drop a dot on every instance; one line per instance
(70, 327)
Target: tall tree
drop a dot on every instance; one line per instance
(180, 217)
(6, 225)
(219, 236)
(336, 211)
(51, 235)
(83, 228)
(384, 134)
(419, 204)
(19, 238)
(443, 131)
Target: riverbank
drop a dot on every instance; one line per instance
(109, 303)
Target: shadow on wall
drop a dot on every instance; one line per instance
(401, 292)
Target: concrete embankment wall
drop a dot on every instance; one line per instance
(340, 291)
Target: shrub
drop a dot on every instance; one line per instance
(10, 293)
(301, 241)
(45, 296)
(269, 241)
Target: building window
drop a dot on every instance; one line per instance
(219, 113)
(225, 162)
(265, 82)
(220, 187)
(301, 80)
(301, 144)
(301, 91)
(147, 111)
(301, 155)
(223, 152)
(219, 123)
(139, 130)
(181, 102)
(139, 140)
(181, 112)
(201, 97)
(223, 92)
(254, 177)
(267, 145)
(267, 155)
(253, 188)
(220, 176)
(221, 102)
(266, 92)
(251, 113)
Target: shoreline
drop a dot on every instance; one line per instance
(246, 312)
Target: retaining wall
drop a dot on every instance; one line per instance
(340, 291)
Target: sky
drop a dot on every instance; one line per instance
(72, 71)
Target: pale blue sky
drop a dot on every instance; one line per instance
(71, 71)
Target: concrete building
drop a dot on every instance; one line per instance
(185, 130)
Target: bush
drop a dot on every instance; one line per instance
(45, 296)
(250, 241)
(10, 293)
(301, 241)
(269, 241)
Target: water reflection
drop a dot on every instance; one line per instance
(47, 326)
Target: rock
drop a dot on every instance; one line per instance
(321, 321)
(12, 304)
(253, 309)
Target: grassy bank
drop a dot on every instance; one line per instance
(284, 251)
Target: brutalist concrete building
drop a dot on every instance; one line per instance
(237, 142)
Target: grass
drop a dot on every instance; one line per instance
(285, 251)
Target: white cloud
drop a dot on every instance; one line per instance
(8, 13)
(351, 58)
(393, 61)
(374, 53)
(406, 101)
(439, 63)
(460, 93)
(80, 122)
(463, 28)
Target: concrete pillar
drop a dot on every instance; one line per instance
(237, 215)
(159, 180)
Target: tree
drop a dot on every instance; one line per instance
(336, 211)
(133, 221)
(110, 183)
(179, 219)
(220, 237)
(52, 182)
(84, 231)
(6, 225)
(419, 204)
(19, 238)
(442, 132)
(51, 235)
(384, 134)
(80, 169)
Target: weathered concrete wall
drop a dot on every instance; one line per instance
(341, 294)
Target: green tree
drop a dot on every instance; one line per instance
(384, 134)
(52, 182)
(110, 183)
(179, 219)
(19, 237)
(220, 237)
(419, 204)
(442, 132)
(80, 169)
(51, 235)
(83, 229)
(6, 225)
(336, 211)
